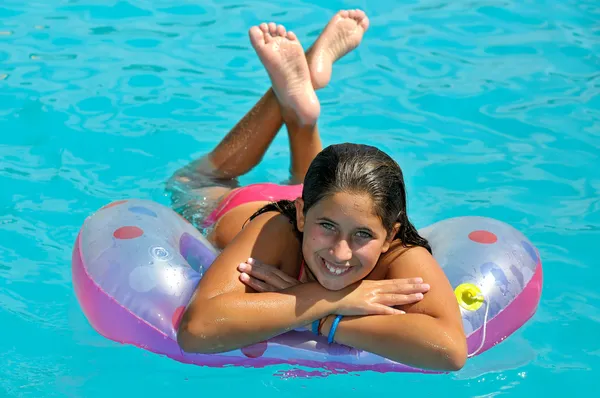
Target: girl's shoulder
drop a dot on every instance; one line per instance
(398, 249)
(266, 238)
(397, 255)
(275, 231)
(229, 225)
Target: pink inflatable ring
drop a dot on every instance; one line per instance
(136, 264)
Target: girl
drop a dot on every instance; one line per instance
(342, 257)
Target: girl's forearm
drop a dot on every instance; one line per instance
(416, 340)
(234, 320)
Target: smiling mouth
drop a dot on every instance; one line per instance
(334, 269)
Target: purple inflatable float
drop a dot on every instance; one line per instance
(136, 264)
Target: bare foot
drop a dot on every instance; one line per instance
(342, 34)
(283, 57)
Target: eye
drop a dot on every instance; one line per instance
(327, 226)
(364, 235)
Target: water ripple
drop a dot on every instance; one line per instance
(491, 107)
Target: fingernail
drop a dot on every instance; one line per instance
(419, 295)
(401, 312)
(250, 260)
(242, 267)
(419, 280)
(425, 286)
(244, 277)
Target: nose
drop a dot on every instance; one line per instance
(341, 251)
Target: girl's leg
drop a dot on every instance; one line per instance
(196, 188)
(283, 58)
(305, 144)
(245, 145)
(203, 182)
(342, 34)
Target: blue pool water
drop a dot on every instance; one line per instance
(491, 107)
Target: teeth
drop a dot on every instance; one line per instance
(334, 270)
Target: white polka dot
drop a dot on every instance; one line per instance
(142, 279)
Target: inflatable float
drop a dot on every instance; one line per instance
(136, 264)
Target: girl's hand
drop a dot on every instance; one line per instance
(369, 297)
(263, 277)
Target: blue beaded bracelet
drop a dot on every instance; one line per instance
(315, 327)
(334, 326)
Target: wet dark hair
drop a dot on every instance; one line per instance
(357, 169)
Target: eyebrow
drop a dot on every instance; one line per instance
(367, 229)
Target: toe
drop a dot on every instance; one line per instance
(364, 22)
(291, 35)
(281, 30)
(360, 14)
(264, 27)
(272, 28)
(344, 13)
(352, 14)
(257, 37)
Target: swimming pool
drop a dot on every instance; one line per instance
(490, 107)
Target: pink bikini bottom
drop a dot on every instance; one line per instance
(253, 193)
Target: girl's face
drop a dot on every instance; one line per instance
(343, 238)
